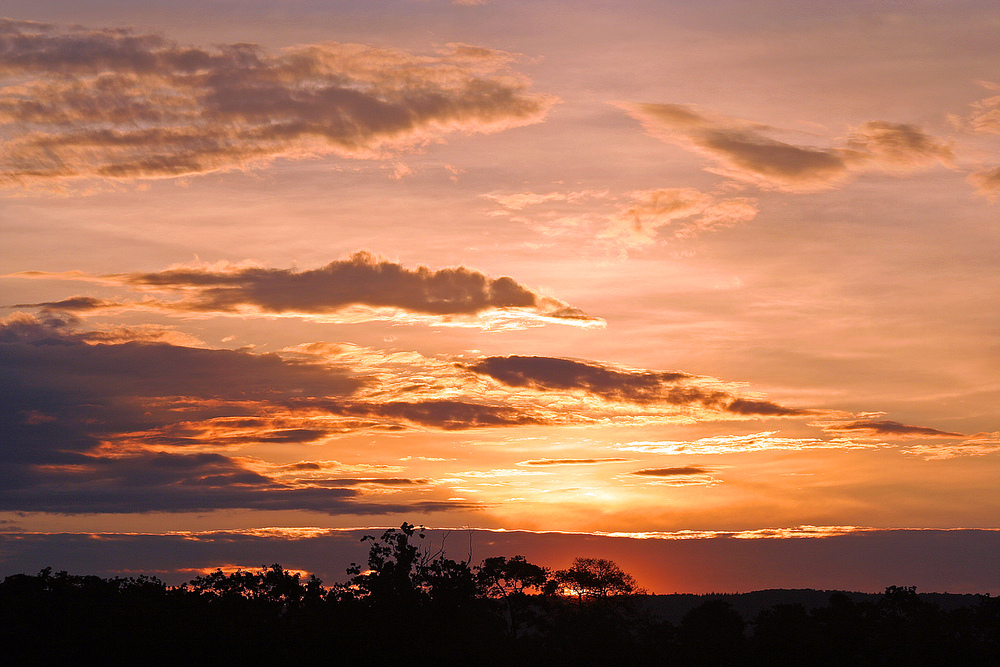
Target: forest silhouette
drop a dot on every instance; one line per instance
(410, 606)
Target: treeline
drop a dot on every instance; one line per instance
(411, 607)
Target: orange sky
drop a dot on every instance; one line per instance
(579, 268)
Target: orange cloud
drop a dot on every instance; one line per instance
(729, 444)
(886, 427)
(570, 462)
(635, 222)
(987, 182)
(693, 211)
(743, 150)
(985, 116)
(116, 104)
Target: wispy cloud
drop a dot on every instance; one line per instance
(691, 211)
(117, 104)
(987, 182)
(628, 220)
(980, 444)
(731, 444)
(985, 115)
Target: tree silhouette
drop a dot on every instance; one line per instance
(595, 578)
(509, 581)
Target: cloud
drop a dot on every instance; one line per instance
(118, 423)
(165, 482)
(980, 444)
(449, 415)
(671, 472)
(890, 145)
(632, 223)
(76, 304)
(116, 104)
(883, 427)
(570, 462)
(678, 476)
(341, 289)
(370, 481)
(985, 116)
(63, 395)
(548, 373)
(730, 444)
(743, 150)
(984, 119)
(138, 426)
(622, 385)
(520, 200)
(987, 182)
(743, 406)
(692, 211)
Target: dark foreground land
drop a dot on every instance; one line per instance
(410, 609)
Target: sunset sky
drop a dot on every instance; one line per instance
(710, 288)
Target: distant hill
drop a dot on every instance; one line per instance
(673, 607)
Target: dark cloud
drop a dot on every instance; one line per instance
(887, 427)
(76, 304)
(773, 160)
(743, 150)
(101, 427)
(368, 481)
(569, 462)
(621, 385)
(450, 415)
(83, 422)
(225, 433)
(61, 396)
(54, 365)
(550, 373)
(743, 406)
(672, 472)
(118, 104)
(163, 482)
(360, 280)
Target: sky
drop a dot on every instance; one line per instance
(708, 288)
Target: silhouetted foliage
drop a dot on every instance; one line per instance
(713, 633)
(417, 606)
(785, 634)
(390, 578)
